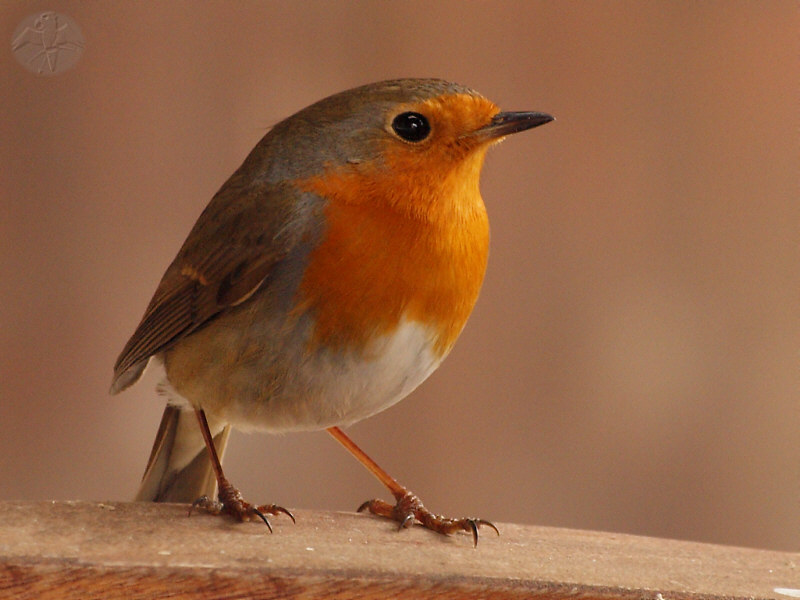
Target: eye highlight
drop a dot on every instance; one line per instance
(411, 126)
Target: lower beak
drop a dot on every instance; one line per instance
(506, 123)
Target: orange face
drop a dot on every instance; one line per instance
(406, 236)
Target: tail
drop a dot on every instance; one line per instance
(179, 469)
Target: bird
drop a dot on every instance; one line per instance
(328, 277)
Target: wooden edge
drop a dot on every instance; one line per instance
(142, 550)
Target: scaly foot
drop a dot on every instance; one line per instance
(409, 509)
(231, 502)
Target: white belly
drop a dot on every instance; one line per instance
(303, 390)
(346, 390)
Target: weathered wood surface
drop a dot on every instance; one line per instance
(126, 550)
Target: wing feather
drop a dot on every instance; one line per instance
(231, 250)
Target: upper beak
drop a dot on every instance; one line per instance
(506, 123)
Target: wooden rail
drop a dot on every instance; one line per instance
(83, 550)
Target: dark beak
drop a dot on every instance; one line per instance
(506, 123)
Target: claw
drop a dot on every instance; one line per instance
(291, 516)
(474, 528)
(262, 517)
(196, 503)
(480, 522)
(407, 521)
(475, 524)
(207, 504)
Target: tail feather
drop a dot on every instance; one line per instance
(179, 469)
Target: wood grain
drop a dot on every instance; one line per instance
(71, 550)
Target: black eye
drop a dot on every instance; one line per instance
(411, 126)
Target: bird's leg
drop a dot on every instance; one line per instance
(230, 499)
(408, 509)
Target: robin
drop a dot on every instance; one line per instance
(326, 279)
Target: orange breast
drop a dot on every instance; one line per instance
(400, 243)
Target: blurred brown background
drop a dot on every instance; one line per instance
(632, 361)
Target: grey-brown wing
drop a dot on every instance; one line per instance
(230, 251)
